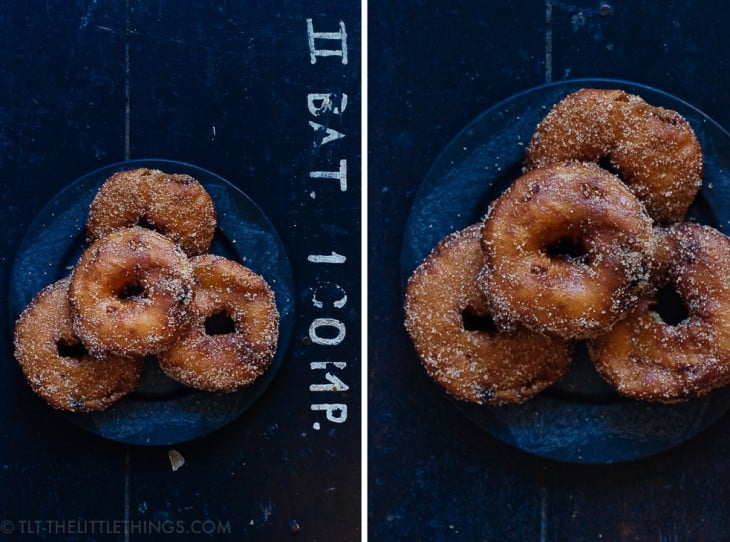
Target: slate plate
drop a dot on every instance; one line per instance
(580, 419)
(161, 411)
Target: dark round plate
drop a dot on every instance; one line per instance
(581, 419)
(161, 411)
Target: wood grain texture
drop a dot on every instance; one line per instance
(433, 475)
(61, 105)
(222, 85)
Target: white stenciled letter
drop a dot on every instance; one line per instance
(340, 36)
(320, 323)
(338, 303)
(319, 104)
(330, 134)
(335, 384)
(327, 258)
(335, 412)
(340, 175)
(323, 364)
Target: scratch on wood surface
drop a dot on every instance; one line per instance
(87, 15)
(669, 537)
(127, 460)
(543, 514)
(266, 510)
(548, 41)
(127, 91)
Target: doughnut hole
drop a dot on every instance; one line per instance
(605, 162)
(669, 306)
(476, 321)
(569, 248)
(146, 223)
(71, 349)
(219, 323)
(132, 291)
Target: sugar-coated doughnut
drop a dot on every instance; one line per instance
(130, 293)
(232, 354)
(175, 205)
(566, 250)
(474, 363)
(646, 358)
(57, 366)
(652, 149)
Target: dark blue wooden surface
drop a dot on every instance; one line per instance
(222, 85)
(434, 66)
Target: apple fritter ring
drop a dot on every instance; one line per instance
(130, 293)
(233, 332)
(566, 251)
(447, 318)
(175, 205)
(652, 149)
(57, 366)
(645, 357)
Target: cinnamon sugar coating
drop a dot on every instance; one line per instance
(483, 366)
(130, 293)
(175, 205)
(57, 367)
(652, 149)
(230, 360)
(645, 358)
(575, 293)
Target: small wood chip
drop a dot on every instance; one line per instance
(176, 459)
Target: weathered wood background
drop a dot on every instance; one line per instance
(434, 66)
(223, 85)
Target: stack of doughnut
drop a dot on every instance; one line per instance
(145, 287)
(582, 246)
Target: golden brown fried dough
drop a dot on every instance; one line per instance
(566, 249)
(130, 293)
(653, 150)
(484, 366)
(225, 360)
(175, 205)
(57, 366)
(644, 357)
